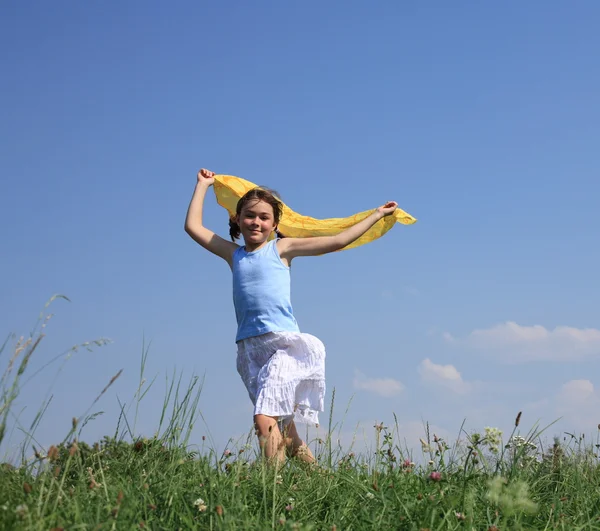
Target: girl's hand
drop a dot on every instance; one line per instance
(206, 176)
(388, 208)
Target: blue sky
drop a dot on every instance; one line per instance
(481, 120)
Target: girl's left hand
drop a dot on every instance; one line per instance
(388, 208)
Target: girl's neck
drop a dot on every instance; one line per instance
(251, 247)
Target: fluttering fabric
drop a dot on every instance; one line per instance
(284, 373)
(230, 189)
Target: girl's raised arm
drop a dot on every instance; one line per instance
(193, 221)
(289, 248)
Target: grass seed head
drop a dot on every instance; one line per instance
(52, 453)
(73, 450)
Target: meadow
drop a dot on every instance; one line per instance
(480, 481)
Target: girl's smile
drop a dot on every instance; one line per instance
(256, 222)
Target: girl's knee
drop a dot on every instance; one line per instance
(265, 426)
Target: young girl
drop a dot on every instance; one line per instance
(282, 368)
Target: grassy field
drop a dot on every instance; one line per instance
(481, 481)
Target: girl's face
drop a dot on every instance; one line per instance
(257, 222)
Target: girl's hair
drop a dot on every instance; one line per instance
(259, 194)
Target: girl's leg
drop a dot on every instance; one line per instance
(295, 446)
(270, 439)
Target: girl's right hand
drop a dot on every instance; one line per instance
(206, 176)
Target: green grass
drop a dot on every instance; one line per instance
(127, 482)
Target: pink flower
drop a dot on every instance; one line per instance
(435, 476)
(408, 463)
(289, 507)
(227, 453)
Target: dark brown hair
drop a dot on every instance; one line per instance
(259, 194)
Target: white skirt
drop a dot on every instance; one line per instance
(284, 373)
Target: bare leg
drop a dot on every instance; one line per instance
(295, 446)
(270, 439)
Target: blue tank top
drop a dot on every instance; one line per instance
(261, 292)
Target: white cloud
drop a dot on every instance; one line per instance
(443, 375)
(578, 403)
(387, 387)
(577, 392)
(514, 343)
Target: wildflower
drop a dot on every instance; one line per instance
(431, 463)
(408, 463)
(227, 453)
(511, 498)
(21, 510)
(200, 503)
(289, 507)
(370, 495)
(435, 476)
(93, 483)
(493, 437)
(460, 516)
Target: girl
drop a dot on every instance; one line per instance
(282, 369)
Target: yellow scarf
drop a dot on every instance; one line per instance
(230, 189)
